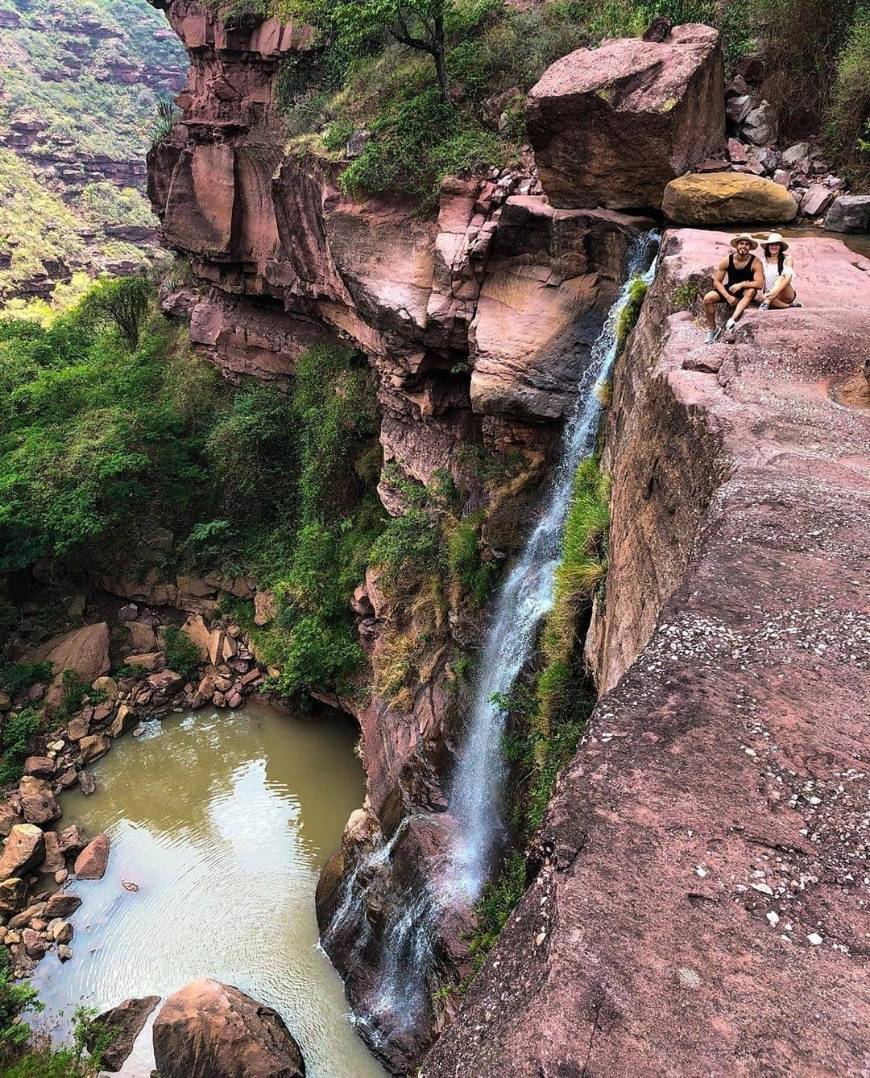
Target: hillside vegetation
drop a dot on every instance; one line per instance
(80, 84)
(432, 86)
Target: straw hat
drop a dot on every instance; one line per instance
(744, 237)
(774, 237)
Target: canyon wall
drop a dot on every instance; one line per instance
(704, 907)
(478, 322)
(699, 910)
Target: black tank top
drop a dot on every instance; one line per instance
(736, 274)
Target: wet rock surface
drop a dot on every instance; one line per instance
(704, 907)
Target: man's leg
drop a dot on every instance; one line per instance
(710, 301)
(745, 300)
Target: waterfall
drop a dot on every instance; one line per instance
(407, 958)
(526, 596)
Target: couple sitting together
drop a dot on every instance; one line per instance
(743, 278)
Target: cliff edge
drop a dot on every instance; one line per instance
(704, 907)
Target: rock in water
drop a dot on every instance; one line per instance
(212, 1030)
(122, 1025)
(611, 126)
(849, 213)
(727, 198)
(91, 862)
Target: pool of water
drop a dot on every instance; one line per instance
(220, 823)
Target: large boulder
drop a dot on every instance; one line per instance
(611, 126)
(727, 198)
(118, 1028)
(84, 651)
(38, 803)
(212, 1030)
(849, 213)
(25, 849)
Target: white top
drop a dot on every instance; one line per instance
(772, 274)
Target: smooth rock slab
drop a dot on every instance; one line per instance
(727, 198)
(212, 1030)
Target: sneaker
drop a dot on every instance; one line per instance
(764, 306)
(796, 303)
(730, 324)
(712, 336)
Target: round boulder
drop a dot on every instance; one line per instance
(727, 198)
(212, 1030)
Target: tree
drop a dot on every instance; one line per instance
(419, 24)
(120, 301)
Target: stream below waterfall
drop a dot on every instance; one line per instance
(222, 821)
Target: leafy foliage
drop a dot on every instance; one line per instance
(16, 734)
(182, 655)
(121, 302)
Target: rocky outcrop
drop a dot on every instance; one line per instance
(116, 1030)
(211, 1030)
(727, 199)
(612, 126)
(700, 910)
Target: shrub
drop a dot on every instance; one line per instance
(165, 119)
(16, 677)
(474, 576)
(848, 121)
(182, 655)
(119, 301)
(16, 735)
(409, 547)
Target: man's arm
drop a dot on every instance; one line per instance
(758, 275)
(719, 283)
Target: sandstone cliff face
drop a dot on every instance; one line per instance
(704, 908)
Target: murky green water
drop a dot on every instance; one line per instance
(222, 821)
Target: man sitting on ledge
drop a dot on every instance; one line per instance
(735, 282)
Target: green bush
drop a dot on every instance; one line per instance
(628, 316)
(17, 677)
(408, 547)
(474, 576)
(122, 302)
(16, 736)
(182, 655)
(848, 118)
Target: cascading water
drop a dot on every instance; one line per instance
(406, 955)
(525, 598)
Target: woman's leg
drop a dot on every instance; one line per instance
(782, 293)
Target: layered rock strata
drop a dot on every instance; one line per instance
(704, 906)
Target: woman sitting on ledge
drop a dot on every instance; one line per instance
(778, 275)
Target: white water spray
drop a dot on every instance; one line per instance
(525, 598)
